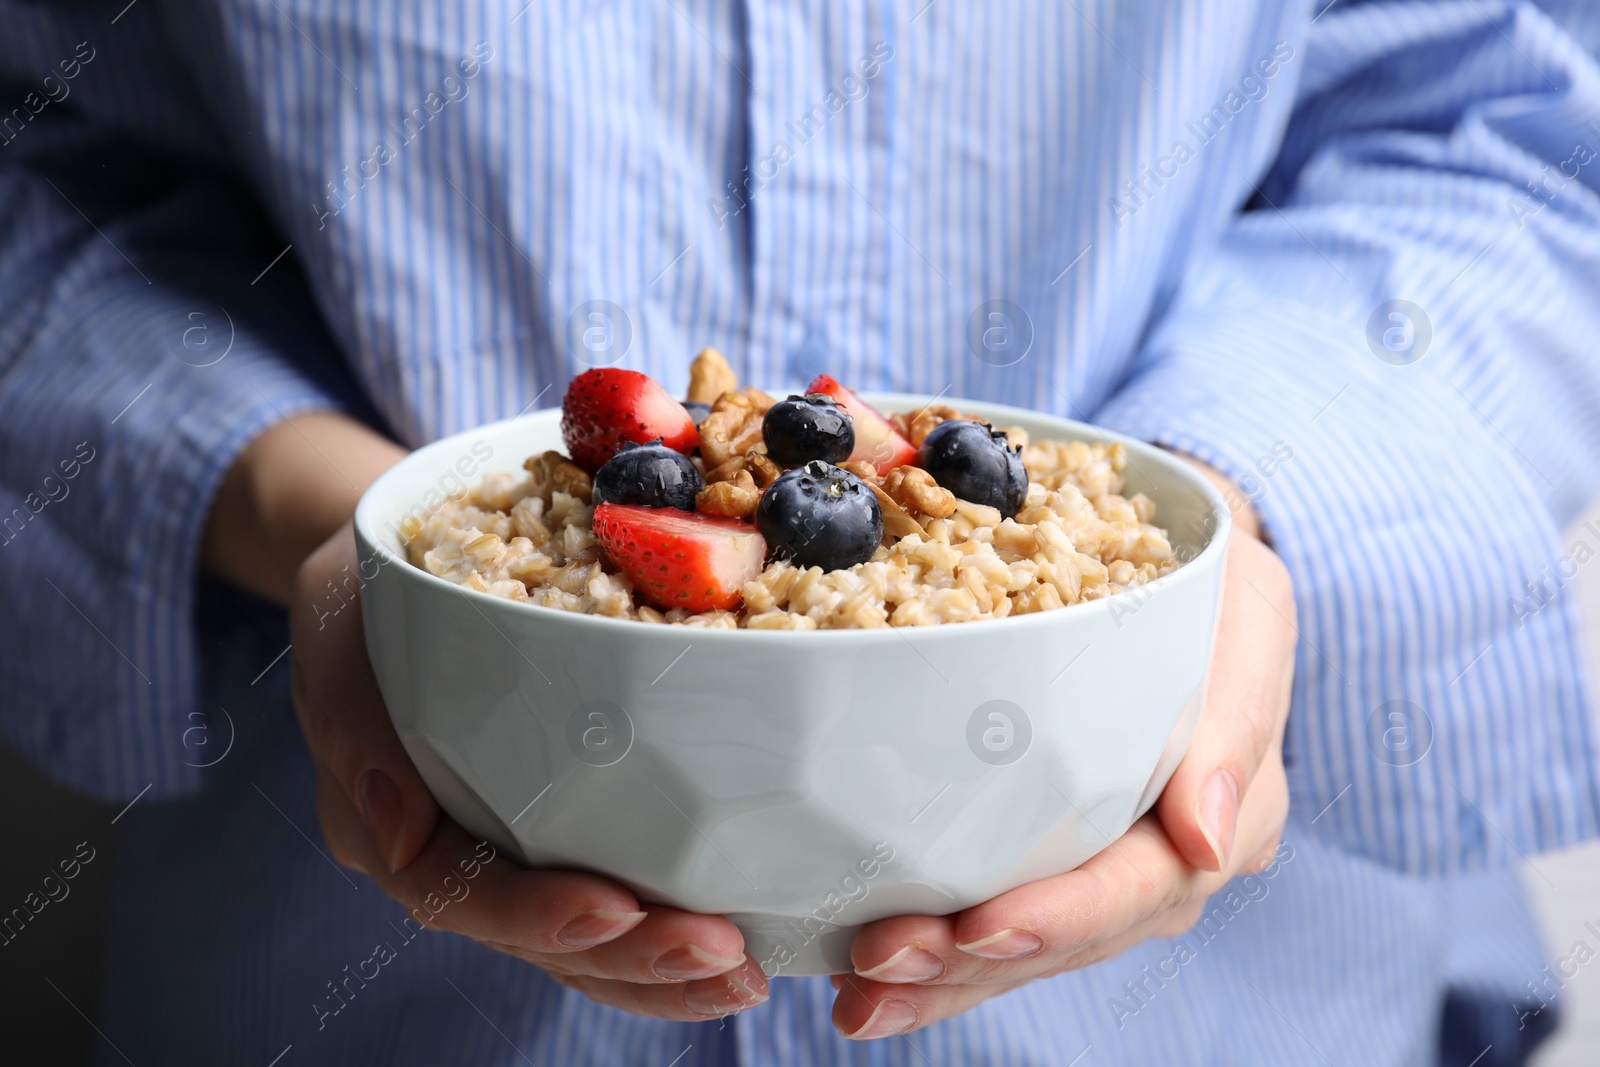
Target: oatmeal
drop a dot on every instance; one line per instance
(942, 559)
(738, 509)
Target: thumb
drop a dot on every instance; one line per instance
(347, 728)
(1247, 702)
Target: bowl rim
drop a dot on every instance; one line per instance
(366, 522)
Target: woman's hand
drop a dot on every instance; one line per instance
(1218, 817)
(378, 816)
(293, 490)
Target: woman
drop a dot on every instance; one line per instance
(1345, 258)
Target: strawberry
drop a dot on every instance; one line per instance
(876, 441)
(606, 406)
(679, 559)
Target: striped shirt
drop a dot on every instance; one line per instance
(1347, 253)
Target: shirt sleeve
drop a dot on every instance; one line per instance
(1392, 351)
(153, 326)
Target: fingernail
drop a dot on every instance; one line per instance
(597, 927)
(749, 981)
(729, 993)
(890, 1017)
(690, 962)
(1006, 945)
(385, 815)
(910, 964)
(1218, 814)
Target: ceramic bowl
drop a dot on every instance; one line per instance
(802, 783)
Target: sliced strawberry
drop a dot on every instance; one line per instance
(608, 405)
(876, 441)
(679, 559)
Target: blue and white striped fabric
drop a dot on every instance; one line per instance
(1192, 217)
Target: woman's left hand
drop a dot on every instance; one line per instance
(1219, 816)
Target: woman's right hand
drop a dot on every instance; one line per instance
(280, 526)
(587, 932)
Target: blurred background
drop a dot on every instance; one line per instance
(47, 977)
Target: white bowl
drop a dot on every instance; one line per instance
(802, 783)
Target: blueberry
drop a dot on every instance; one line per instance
(976, 463)
(820, 516)
(650, 476)
(697, 411)
(808, 427)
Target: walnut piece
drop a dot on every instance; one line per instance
(710, 377)
(917, 424)
(726, 471)
(755, 461)
(915, 490)
(896, 522)
(554, 473)
(863, 469)
(735, 498)
(761, 466)
(734, 425)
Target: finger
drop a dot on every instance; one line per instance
(1261, 820)
(905, 948)
(1247, 700)
(1036, 928)
(463, 886)
(738, 990)
(1139, 883)
(347, 836)
(865, 1009)
(1137, 876)
(343, 717)
(668, 946)
(565, 921)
